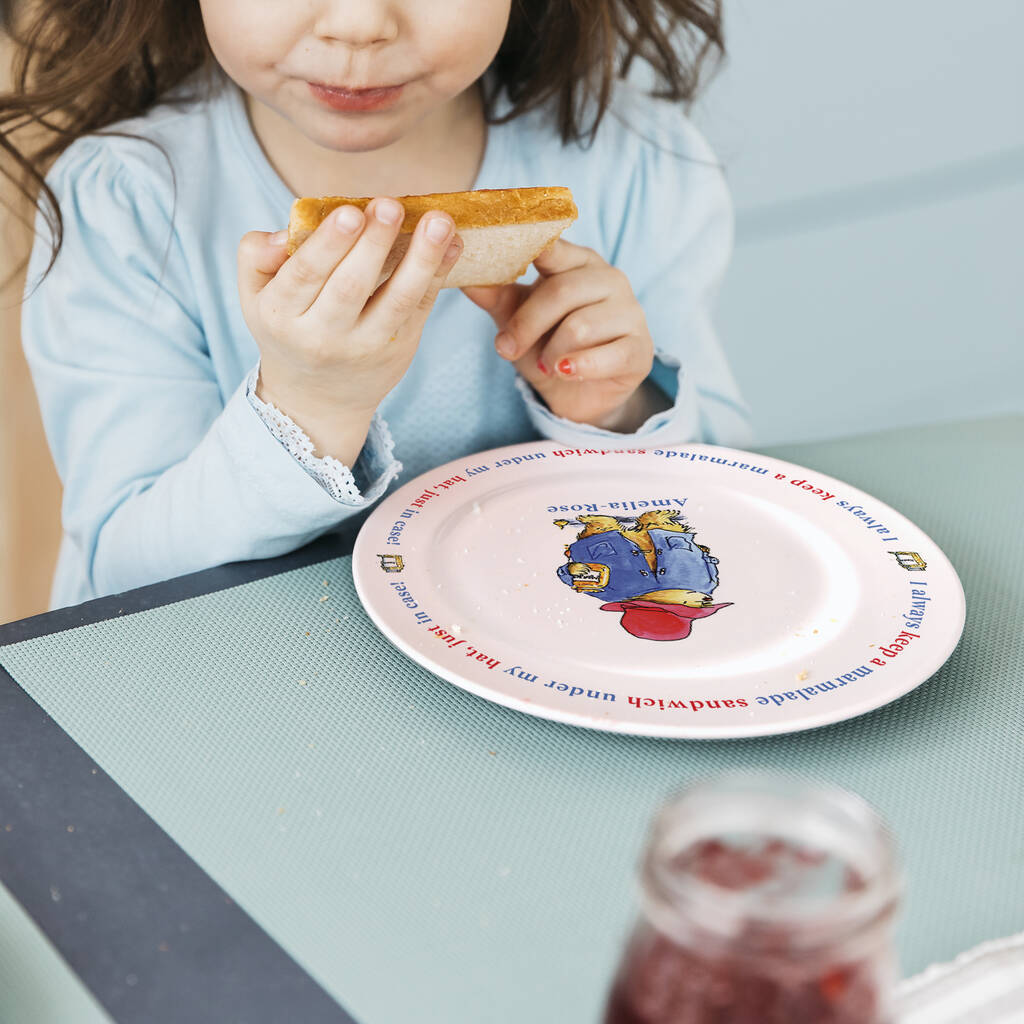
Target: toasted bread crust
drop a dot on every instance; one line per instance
(479, 208)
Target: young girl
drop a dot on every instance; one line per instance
(208, 400)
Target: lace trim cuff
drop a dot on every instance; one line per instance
(335, 477)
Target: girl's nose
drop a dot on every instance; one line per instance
(357, 23)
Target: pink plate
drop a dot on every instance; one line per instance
(691, 592)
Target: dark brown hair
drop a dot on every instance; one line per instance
(83, 65)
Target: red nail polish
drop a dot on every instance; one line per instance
(565, 367)
(541, 366)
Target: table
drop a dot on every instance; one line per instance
(346, 836)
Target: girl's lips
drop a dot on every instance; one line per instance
(362, 99)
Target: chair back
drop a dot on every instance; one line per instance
(30, 492)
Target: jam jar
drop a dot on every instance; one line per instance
(764, 900)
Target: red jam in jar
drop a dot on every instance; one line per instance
(765, 901)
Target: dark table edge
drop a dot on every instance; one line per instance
(92, 887)
(181, 588)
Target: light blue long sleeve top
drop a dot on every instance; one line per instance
(139, 352)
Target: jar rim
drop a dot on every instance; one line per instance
(830, 818)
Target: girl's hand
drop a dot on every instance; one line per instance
(330, 346)
(577, 334)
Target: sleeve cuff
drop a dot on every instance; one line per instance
(361, 485)
(676, 425)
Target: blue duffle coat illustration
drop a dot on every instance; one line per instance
(679, 565)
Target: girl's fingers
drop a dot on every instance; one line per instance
(298, 283)
(499, 300)
(551, 301)
(415, 282)
(623, 357)
(352, 282)
(586, 327)
(451, 256)
(562, 256)
(260, 257)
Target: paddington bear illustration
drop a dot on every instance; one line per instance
(649, 568)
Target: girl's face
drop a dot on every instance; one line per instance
(288, 53)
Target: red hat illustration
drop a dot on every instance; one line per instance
(651, 620)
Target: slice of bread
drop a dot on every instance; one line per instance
(503, 230)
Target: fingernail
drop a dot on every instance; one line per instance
(348, 219)
(438, 229)
(453, 250)
(278, 238)
(565, 367)
(505, 345)
(541, 366)
(387, 211)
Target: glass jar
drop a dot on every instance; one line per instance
(765, 900)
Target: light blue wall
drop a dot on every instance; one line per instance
(876, 156)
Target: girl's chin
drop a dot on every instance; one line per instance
(350, 133)
(352, 140)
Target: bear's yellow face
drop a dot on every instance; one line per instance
(597, 524)
(661, 519)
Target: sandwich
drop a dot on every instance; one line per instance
(503, 230)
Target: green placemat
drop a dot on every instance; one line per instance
(429, 856)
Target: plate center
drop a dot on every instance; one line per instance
(670, 587)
